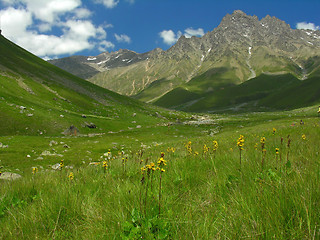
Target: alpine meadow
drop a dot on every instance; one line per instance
(215, 138)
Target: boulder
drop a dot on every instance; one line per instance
(9, 176)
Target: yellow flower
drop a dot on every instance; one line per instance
(61, 164)
(240, 142)
(274, 131)
(215, 145)
(277, 151)
(303, 137)
(34, 170)
(71, 176)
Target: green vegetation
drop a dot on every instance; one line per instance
(147, 172)
(205, 194)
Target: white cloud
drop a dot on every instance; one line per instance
(108, 3)
(104, 45)
(122, 38)
(169, 37)
(82, 13)
(27, 23)
(305, 25)
(49, 10)
(189, 32)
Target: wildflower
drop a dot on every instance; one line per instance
(34, 170)
(143, 169)
(240, 142)
(262, 141)
(61, 164)
(162, 162)
(256, 146)
(274, 131)
(188, 147)
(205, 149)
(105, 165)
(215, 146)
(277, 151)
(71, 176)
(303, 137)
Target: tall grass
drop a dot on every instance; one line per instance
(202, 196)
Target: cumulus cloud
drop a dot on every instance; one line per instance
(29, 23)
(49, 10)
(306, 25)
(108, 3)
(189, 32)
(122, 38)
(169, 37)
(105, 45)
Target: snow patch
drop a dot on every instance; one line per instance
(249, 50)
(91, 58)
(102, 62)
(209, 50)
(202, 58)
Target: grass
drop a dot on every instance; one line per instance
(204, 196)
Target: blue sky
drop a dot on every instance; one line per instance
(59, 28)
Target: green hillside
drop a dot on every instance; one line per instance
(221, 96)
(37, 97)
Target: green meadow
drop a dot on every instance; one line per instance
(205, 193)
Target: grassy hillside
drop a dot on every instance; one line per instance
(222, 96)
(37, 97)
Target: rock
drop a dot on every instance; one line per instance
(134, 114)
(83, 116)
(29, 115)
(90, 125)
(66, 146)
(56, 166)
(10, 176)
(139, 126)
(53, 143)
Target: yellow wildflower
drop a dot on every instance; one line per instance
(34, 170)
(303, 137)
(71, 176)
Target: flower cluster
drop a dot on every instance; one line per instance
(188, 147)
(205, 149)
(34, 170)
(71, 176)
(263, 142)
(61, 164)
(105, 165)
(214, 146)
(240, 142)
(171, 149)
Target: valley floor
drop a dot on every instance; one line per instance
(168, 181)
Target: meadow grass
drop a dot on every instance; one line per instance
(204, 195)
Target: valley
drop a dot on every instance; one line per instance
(79, 161)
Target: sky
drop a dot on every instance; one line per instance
(60, 28)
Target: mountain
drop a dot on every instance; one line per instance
(38, 98)
(241, 48)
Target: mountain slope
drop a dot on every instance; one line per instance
(242, 45)
(39, 98)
